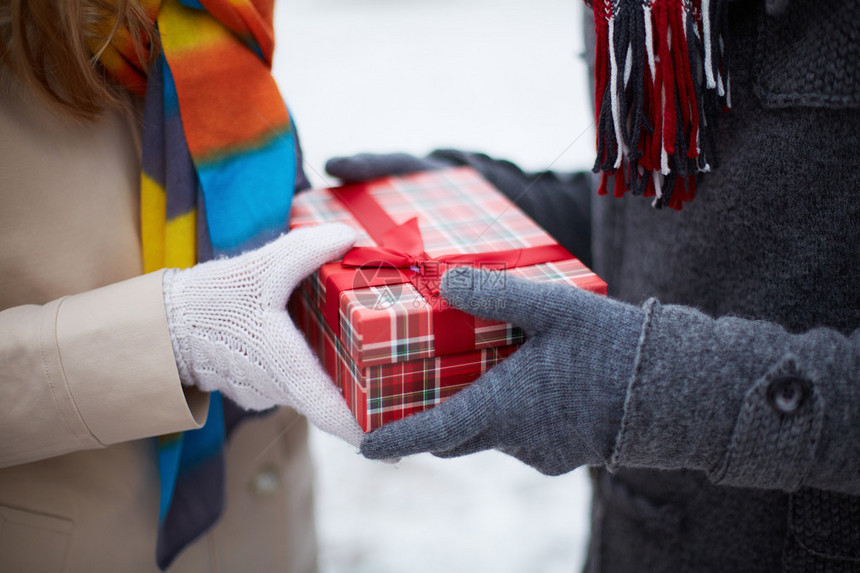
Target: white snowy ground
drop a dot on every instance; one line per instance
(499, 76)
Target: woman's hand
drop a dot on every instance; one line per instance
(231, 332)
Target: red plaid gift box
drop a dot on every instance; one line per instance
(376, 320)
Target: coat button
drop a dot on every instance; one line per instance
(265, 483)
(786, 394)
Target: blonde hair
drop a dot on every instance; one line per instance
(48, 45)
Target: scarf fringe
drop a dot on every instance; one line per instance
(661, 79)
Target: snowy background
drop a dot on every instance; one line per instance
(498, 76)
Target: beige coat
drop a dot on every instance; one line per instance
(87, 373)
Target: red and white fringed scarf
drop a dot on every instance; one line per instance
(661, 79)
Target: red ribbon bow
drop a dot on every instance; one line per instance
(402, 247)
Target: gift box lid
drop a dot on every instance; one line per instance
(457, 212)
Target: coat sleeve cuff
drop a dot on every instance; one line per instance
(727, 397)
(118, 361)
(625, 450)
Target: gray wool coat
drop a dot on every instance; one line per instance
(770, 247)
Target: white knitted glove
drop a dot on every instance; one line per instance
(231, 332)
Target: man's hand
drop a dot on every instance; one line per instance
(556, 403)
(367, 166)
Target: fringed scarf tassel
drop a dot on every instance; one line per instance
(661, 79)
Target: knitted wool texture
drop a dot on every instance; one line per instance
(556, 403)
(660, 81)
(231, 332)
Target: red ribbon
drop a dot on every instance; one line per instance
(399, 257)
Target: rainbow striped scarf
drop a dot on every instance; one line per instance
(220, 164)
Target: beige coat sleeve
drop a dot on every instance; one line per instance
(90, 370)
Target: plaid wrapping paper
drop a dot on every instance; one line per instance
(381, 394)
(458, 212)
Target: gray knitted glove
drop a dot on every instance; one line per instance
(367, 166)
(556, 403)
